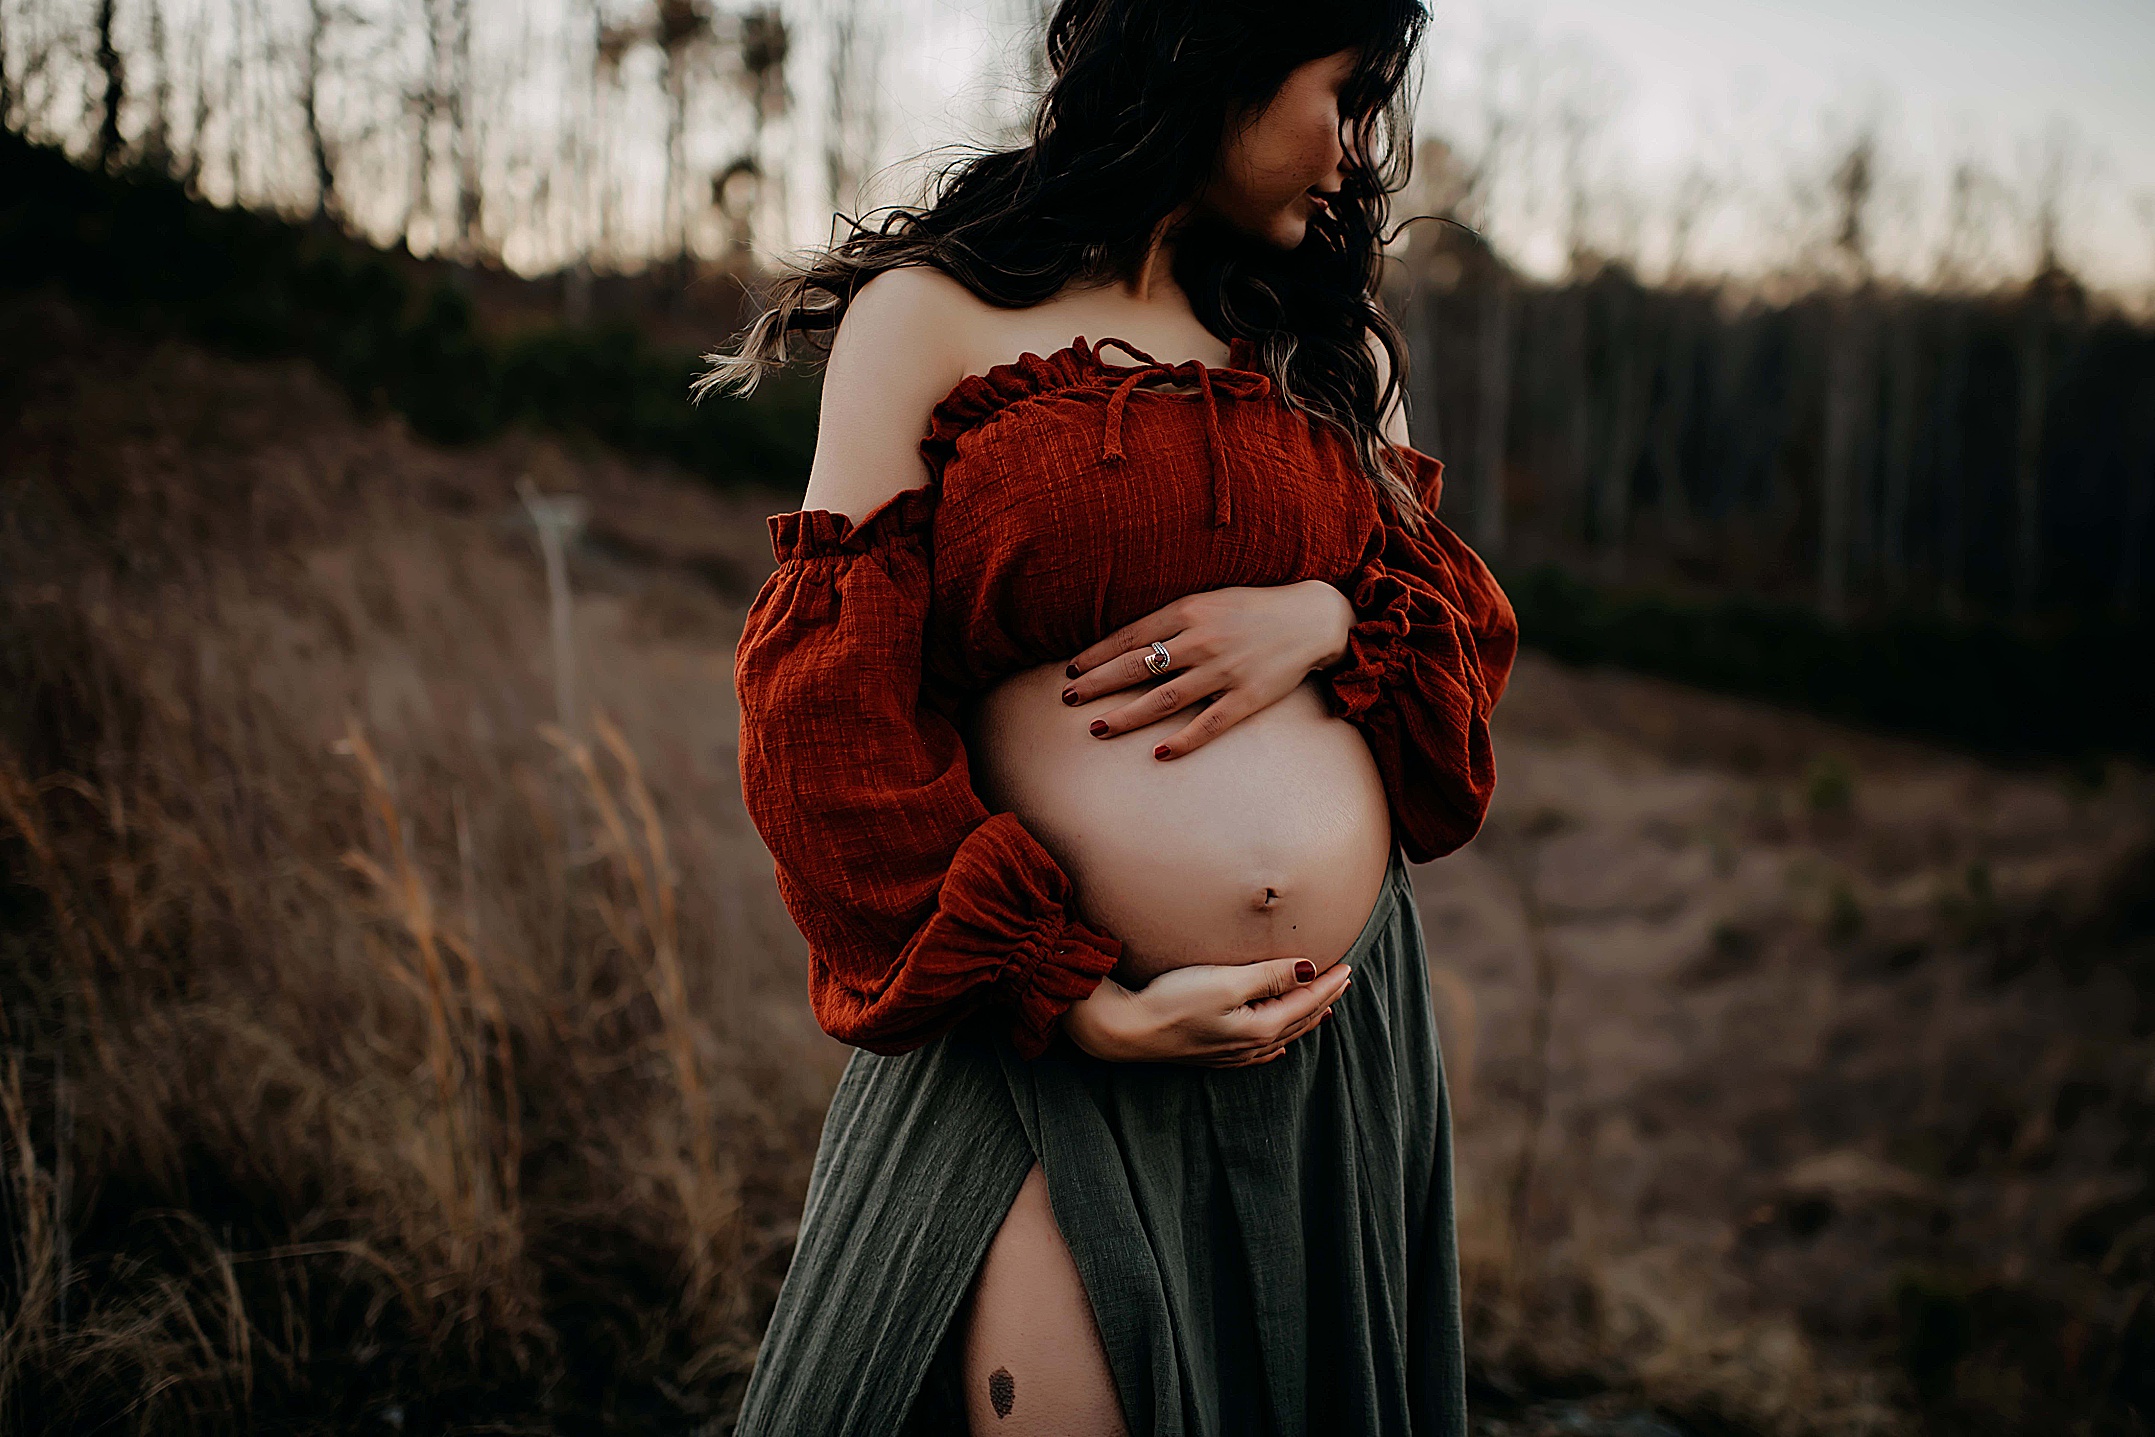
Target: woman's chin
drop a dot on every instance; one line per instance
(1288, 231)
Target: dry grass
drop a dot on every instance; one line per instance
(424, 1064)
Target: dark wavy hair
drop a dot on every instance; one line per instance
(1133, 120)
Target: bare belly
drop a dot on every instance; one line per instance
(1271, 841)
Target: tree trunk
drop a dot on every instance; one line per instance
(1673, 499)
(114, 70)
(191, 172)
(1836, 480)
(1493, 410)
(1630, 391)
(157, 144)
(464, 133)
(2028, 461)
(2139, 501)
(1578, 413)
(673, 214)
(1425, 420)
(325, 176)
(7, 81)
(235, 111)
(1952, 482)
(428, 107)
(1902, 398)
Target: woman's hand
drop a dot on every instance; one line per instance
(1250, 646)
(1213, 1016)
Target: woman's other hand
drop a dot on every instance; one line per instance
(1250, 646)
(1210, 1015)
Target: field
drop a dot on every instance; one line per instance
(391, 1047)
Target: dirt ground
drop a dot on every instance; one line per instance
(1808, 1069)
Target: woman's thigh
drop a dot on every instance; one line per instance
(1034, 1366)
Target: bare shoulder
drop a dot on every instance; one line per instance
(900, 348)
(1393, 421)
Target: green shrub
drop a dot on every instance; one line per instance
(2071, 689)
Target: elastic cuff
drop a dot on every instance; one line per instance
(1376, 644)
(1060, 968)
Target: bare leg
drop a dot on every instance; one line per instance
(1034, 1366)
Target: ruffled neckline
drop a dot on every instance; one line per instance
(978, 398)
(825, 533)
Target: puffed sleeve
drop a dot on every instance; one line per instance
(919, 907)
(1427, 658)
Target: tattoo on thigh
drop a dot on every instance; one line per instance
(1002, 1391)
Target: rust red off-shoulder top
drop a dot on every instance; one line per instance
(1068, 495)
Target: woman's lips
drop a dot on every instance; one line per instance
(1318, 202)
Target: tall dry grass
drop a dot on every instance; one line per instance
(377, 1055)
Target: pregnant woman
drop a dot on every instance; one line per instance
(1104, 689)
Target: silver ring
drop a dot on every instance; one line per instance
(1157, 662)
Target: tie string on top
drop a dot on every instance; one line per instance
(1235, 383)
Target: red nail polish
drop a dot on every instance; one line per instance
(1070, 671)
(1160, 752)
(1305, 971)
(1098, 727)
(1070, 696)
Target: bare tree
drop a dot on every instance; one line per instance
(1503, 119)
(2054, 171)
(682, 29)
(1901, 405)
(464, 129)
(7, 79)
(2138, 507)
(114, 71)
(762, 42)
(1954, 272)
(1696, 196)
(157, 142)
(850, 137)
(610, 52)
(198, 66)
(1847, 371)
(2144, 206)
(310, 92)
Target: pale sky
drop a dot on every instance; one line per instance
(1760, 81)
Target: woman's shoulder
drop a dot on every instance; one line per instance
(901, 346)
(916, 312)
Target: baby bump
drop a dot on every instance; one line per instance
(1271, 841)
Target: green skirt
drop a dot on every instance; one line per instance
(1267, 1250)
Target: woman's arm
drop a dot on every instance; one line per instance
(1428, 657)
(899, 350)
(920, 908)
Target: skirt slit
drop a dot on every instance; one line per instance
(1266, 1250)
